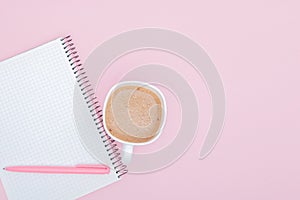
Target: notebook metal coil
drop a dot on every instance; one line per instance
(93, 105)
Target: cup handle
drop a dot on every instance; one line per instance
(127, 150)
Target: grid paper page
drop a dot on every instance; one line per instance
(37, 127)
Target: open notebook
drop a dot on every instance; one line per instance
(37, 125)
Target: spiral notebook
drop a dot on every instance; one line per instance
(37, 125)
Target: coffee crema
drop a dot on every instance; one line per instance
(133, 114)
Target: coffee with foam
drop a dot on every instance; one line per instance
(134, 113)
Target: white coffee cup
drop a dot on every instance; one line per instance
(127, 147)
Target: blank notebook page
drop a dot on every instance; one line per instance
(37, 127)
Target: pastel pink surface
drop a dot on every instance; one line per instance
(255, 46)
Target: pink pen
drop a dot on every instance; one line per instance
(78, 169)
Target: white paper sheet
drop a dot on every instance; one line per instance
(37, 127)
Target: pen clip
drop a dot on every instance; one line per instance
(92, 166)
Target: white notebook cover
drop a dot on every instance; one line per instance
(37, 127)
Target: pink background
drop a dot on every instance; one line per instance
(256, 48)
